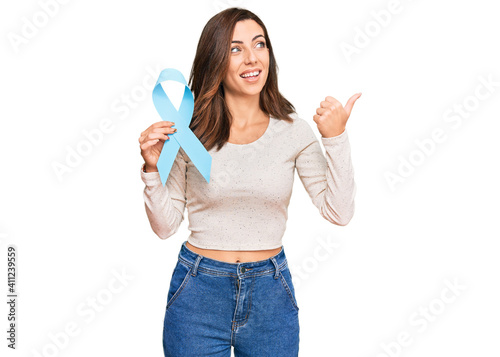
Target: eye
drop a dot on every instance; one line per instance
(234, 48)
(263, 44)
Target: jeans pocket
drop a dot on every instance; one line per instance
(286, 280)
(179, 280)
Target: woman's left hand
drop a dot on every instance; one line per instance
(331, 116)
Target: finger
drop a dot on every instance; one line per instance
(334, 101)
(148, 144)
(316, 118)
(152, 142)
(322, 111)
(153, 136)
(350, 103)
(164, 130)
(325, 104)
(162, 123)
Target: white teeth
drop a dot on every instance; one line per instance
(251, 74)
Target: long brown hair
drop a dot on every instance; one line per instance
(211, 117)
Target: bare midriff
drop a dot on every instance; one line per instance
(235, 256)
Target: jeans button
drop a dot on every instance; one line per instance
(243, 269)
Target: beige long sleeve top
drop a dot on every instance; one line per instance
(244, 206)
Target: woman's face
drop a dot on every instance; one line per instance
(249, 54)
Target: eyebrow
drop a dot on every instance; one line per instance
(253, 39)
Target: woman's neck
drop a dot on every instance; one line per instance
(245, 110)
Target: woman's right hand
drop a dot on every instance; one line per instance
(152, 140)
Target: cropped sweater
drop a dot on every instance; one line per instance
(245, 204)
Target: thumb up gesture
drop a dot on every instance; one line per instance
(331, 117)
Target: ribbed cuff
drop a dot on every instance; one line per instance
(150, 178)
(335, 140)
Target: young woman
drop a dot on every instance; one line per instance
(232, 285)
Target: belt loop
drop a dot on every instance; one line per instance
(195, 268)
(276, 274)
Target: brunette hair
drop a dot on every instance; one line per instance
(211, 117)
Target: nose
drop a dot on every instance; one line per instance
(250, 57)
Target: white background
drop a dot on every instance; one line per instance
(72, 72)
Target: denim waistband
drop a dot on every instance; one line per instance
(274, 264)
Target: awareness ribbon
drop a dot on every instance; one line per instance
(184, 136)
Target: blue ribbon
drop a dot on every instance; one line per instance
(184, 136)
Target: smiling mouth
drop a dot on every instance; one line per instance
(251, 74)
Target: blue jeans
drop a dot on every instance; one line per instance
(213, 305)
